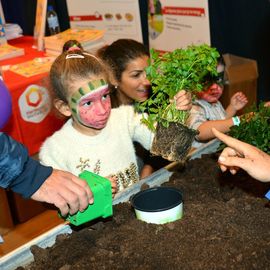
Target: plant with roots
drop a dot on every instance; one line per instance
(182, 69)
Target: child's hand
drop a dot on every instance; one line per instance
(113, 180)
(183, 100)
(238, 101)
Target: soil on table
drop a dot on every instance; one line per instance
(225, 225)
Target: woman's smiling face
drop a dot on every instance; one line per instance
(134, 83)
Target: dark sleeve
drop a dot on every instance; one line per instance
(156, 162)
(18, 171)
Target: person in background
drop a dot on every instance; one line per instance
(26, 176)
(243, 155)
(207, 111)
(127, 60)
(101, 138)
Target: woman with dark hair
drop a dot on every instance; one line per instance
(127, 59)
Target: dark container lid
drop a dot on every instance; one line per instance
(157, 199)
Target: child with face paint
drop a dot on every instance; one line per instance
(96, 137)
(207, 112)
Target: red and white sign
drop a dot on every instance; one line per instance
(34, 104)
(178, 23)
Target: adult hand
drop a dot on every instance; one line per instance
(183, 100)
(245, 156)
(67, 192)
(238, 101)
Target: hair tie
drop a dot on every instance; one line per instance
(74, 48)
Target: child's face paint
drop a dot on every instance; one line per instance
(212, 94)
(91, 104)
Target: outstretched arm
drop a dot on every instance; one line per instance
(245, 156)
(205, 128)
(29, 178)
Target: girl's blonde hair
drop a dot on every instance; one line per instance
(71, 66)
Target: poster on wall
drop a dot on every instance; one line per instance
(119, 19)
(177, 23)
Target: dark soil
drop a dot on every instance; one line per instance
(225, 225)
(173, 142)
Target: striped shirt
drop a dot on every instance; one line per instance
(204, 111)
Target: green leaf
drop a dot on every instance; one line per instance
(254, 129)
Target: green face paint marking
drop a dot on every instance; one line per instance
(81, 92)
(91, 86)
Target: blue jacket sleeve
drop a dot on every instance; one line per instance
(18, 171)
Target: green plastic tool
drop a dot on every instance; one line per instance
(102, 206)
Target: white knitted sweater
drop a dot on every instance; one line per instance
(111, 152)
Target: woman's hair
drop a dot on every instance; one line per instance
(71, 66)
(120, 53)
(71, 43)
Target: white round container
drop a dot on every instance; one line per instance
(158, 205)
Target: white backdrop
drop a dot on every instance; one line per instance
(120, 19)
(180, 23)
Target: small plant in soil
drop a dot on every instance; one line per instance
(173, 71)
(254, 128)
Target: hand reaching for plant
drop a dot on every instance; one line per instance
(238, 102)
(245, 156)
(183, 100)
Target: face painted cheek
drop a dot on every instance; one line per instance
(84, 113)
(203, 95)
(107, 104)
(208, 97)
(219, 91)
(95, 116)
(87, 117)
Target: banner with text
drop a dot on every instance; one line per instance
(178, 23)
(120, 19)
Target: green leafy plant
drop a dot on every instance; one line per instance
(174, 71)
(254, 128)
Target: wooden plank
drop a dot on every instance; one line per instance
(6, 222)
(27, 231)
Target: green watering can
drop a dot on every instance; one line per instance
(102, 206)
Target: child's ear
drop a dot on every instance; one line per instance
(62, 107)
